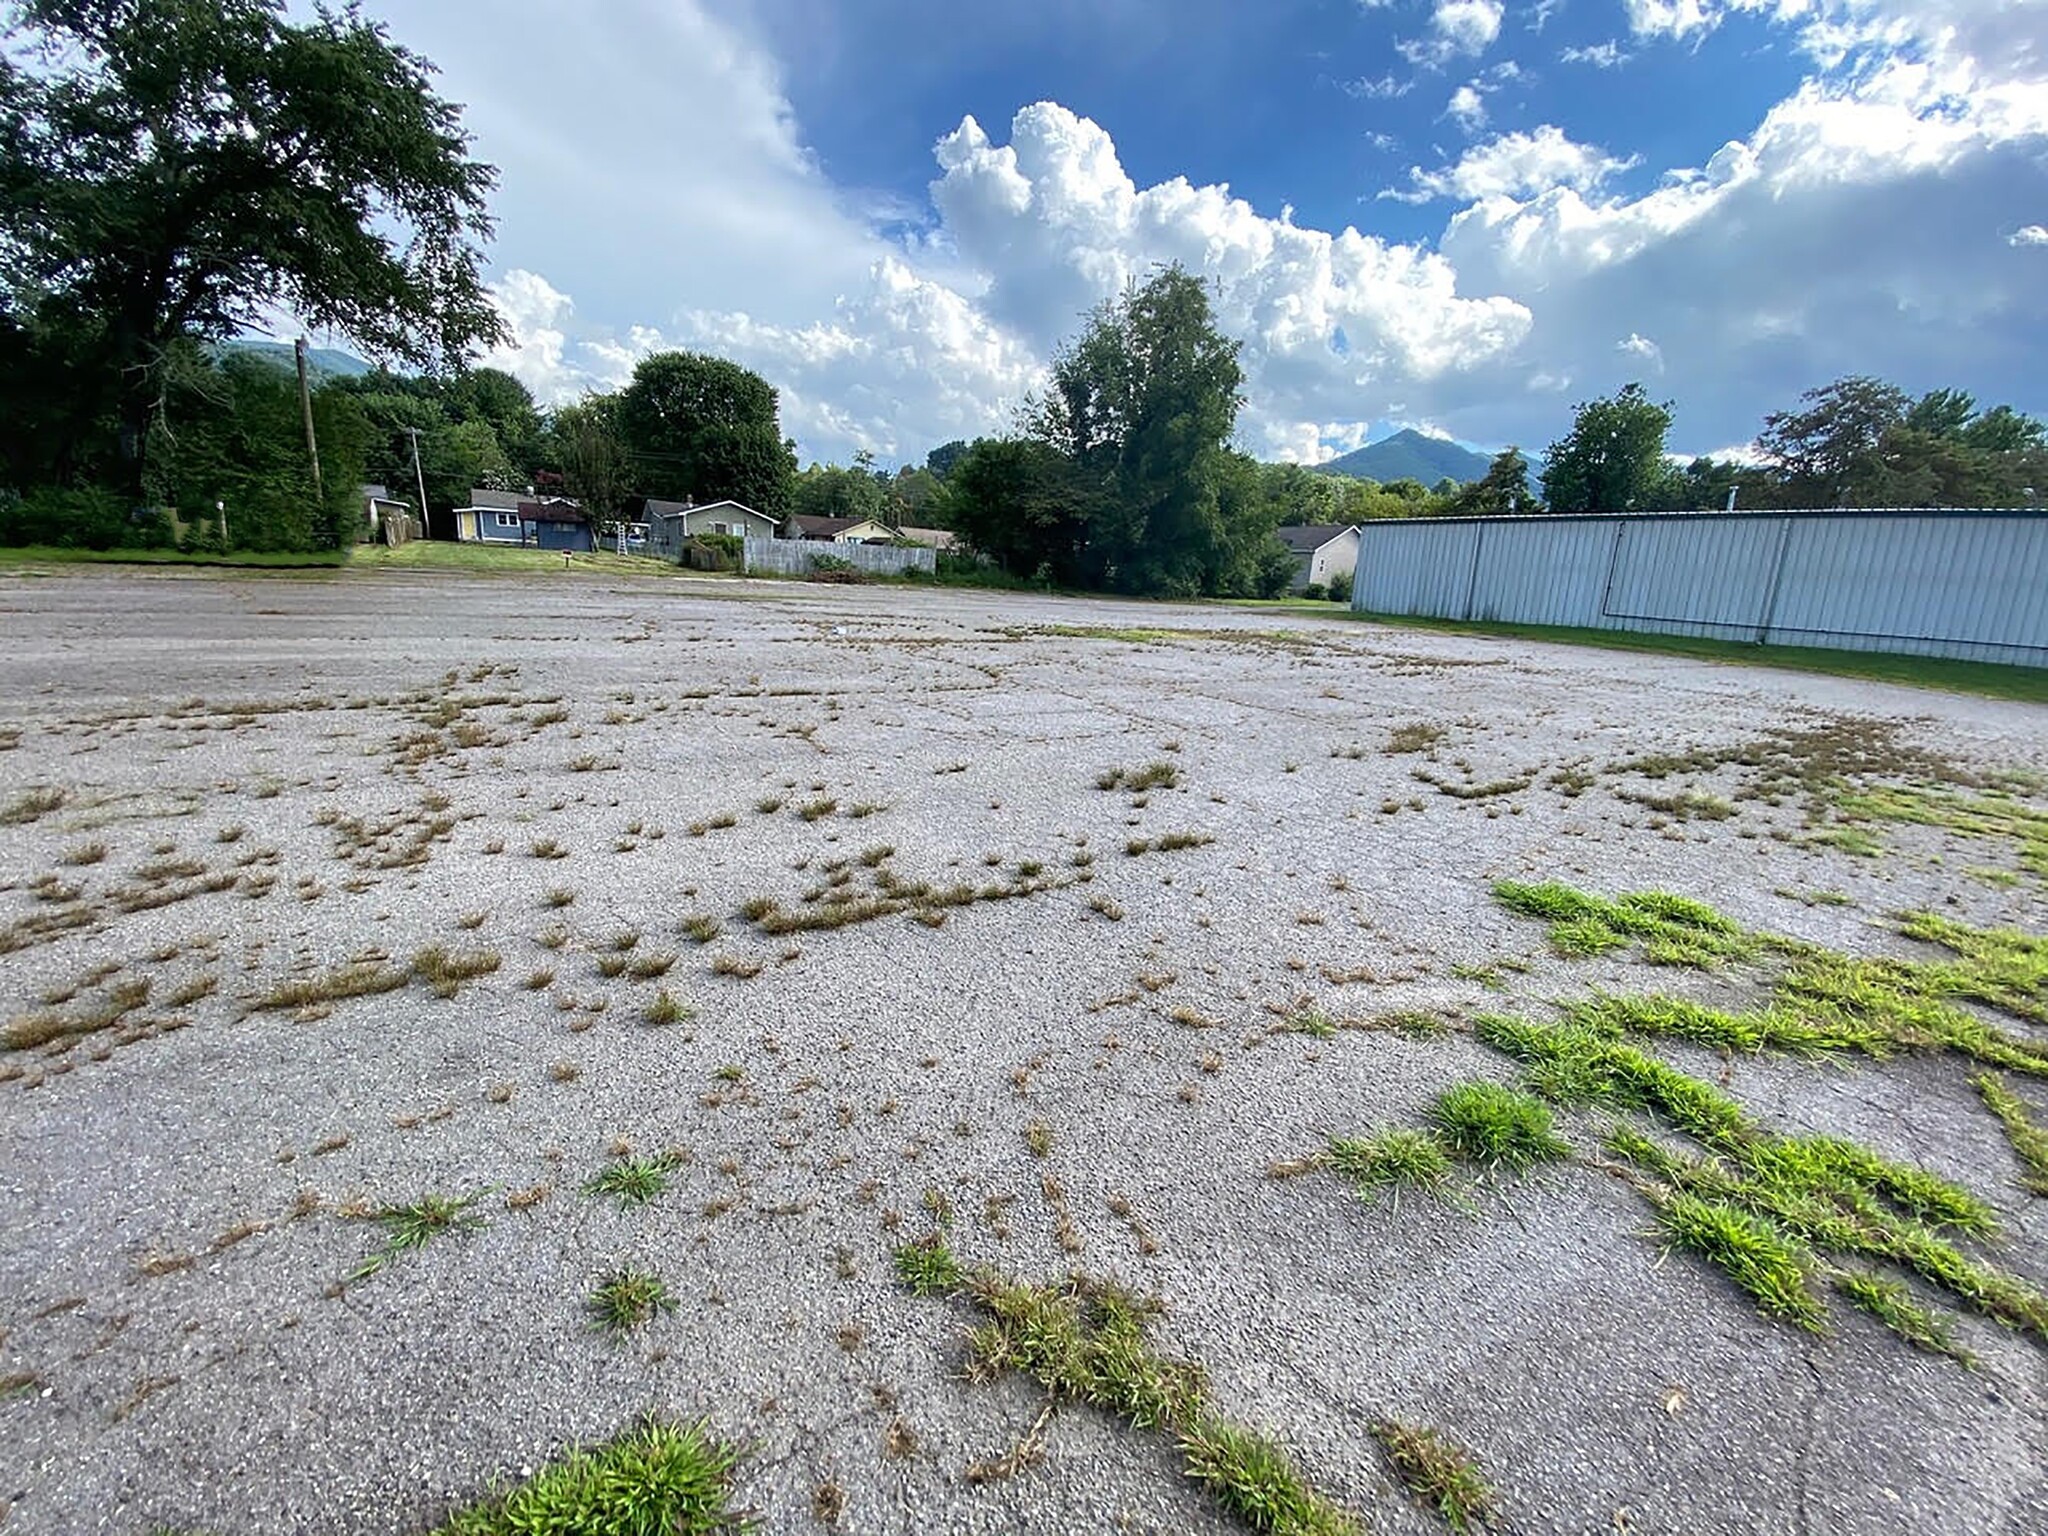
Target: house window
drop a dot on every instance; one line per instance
(720, 528)
(508, 519)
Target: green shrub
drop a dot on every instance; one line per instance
(68, 519)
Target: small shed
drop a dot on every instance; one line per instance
(555, 522)
(492, 517)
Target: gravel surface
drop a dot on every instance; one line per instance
(374, 760)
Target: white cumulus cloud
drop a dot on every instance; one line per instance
(1456, 28)
(1885, 217)
(1517, 163)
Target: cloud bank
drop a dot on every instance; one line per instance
(1886, 217)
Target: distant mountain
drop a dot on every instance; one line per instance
(323, 362)
(1411, 456)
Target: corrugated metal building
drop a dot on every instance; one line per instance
(1972, 585)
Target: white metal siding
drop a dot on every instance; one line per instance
(1968, 585)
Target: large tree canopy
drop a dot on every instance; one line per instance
(1612, 460)
(1145, 400)
(706, 429)
(174, 169)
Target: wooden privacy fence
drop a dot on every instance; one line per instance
(799, 557)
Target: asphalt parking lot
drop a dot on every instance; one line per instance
(1123, 904)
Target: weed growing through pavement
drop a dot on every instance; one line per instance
(1167, 842)
(1084, 1340)
(2029, 1140)
(1159, 775)
(1497, 1127)
(628, 1299)
(1437, 1472)
(633, 1180)
(409, 1227)
(668, 1009)
(1392, 1159)
(674, 1479)
(1417, 736)
(445, 971)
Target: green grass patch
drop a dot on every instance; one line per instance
(1892, 1304)
(2029, 1140)
(1084, 1340)
(1496, 1126)
(628, 1299)
(1252, 1476)
(490, 559)
(1822, 1001)
(660, 1479)
(270, 560)
(1751, 1252)
(1989, 679)
(1994, 814)
(927, 1267)
(1438, 1473)
(632, 1180)
(410, 1227)
(1392, 1159)
(1673, 930)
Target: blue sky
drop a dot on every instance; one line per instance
(1287, 102)
(1459, 215)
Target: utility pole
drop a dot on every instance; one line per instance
(419, 476)
(306, 410)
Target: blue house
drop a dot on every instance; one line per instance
(521, 518)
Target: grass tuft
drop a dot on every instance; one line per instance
(1252, 1476)
(2029, 1140)
(409, 1227)
(628, 1299)
(446, 970)
(1391, 1159)
(660, 1479)
(1893, 1305)
(632, 1180)
(927, 1267)
(1497, 1126)
(1750, 1251)
(1438, 1472)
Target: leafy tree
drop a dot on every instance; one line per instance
(1861, 442)
(1612, 460)
(230, 435)
(915, 496)
(178, 168)
(1502, 492)
(1144, 402)
(705, 429)
(1829, 454)
(595, 465)
(1026, 506)
(940, 460)
(491, 395)
(828, 490)
(1302, 498)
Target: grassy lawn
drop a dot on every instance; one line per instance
(42, 554)
(440, 555)
(2027, 685)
